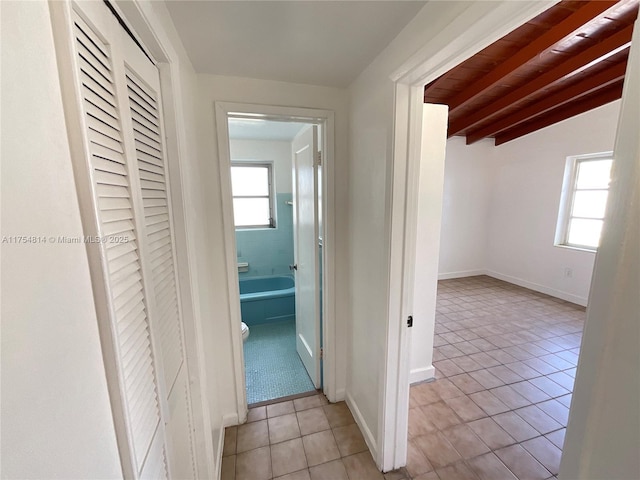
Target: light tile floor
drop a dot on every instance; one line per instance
(301, 439)
(505, 360)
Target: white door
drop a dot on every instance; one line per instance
(119, 89)
(305, 244)
(144, 121)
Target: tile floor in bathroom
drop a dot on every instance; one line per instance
(505, 361)
(273, 368)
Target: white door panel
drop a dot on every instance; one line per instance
(305, 226)
(119, 90)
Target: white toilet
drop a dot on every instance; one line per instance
(245, 332)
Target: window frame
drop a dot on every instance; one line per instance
(272, 193)
(567, 199)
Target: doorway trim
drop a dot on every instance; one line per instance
(324, 118)
(440, 54)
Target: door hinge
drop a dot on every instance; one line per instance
(321, 352)
(410, 321)
(318, 158)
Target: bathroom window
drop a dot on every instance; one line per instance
(252, 187)
(584, 200)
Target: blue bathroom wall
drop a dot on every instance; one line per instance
(269, 251)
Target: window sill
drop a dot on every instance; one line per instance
(579, 249)
(254, 229)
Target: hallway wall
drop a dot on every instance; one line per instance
(54, 395)
(372, 140)
(56, 417)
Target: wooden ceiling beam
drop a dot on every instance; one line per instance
(567, 28)
(608, 95)
(586, 59)
(573, 92)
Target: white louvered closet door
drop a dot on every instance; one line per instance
(144, 123)
(119, 90)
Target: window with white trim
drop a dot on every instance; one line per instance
(584, 200)
(252, 189)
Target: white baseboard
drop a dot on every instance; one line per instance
(219, 452)
(340, 395)
(418, 375)
(466, 273)
(569, 297)
(366, 433)
(230, 420)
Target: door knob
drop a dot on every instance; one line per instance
(293, 267)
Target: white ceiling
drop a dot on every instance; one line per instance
(255, 129)
(316, 42)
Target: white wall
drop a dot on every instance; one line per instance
(603, 434)
(276, 151)
(213, 88)
(501, 206)
(526, 184)
(371, 138)
(429, 205)
(56, 417)
(465, 210)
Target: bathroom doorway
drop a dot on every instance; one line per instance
(275, 172)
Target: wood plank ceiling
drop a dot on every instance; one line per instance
(566, 61)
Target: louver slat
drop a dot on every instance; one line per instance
(115, 214)
(144, 125)
(153, 177)
(140, 93)
(96, 73)
(156, 219)
(98, 85)
(132, 329)
(100, 102)
(155, 468)
(147, 135)
(94, 113)
(119, 250)
(104, 134)
(109, 166)
(148, 149)
(149, 158)
(109, 203)
(154, 202)
(149, 167)
(157, 227)
(139, 106)
(158, 236)
(155, 210)
(158, 244)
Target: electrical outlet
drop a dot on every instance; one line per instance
(568, 272)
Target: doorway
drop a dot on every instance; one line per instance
(277, 253)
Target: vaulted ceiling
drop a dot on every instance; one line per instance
(566, 61)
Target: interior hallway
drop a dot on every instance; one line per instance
(505, 361)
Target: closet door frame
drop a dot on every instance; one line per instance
(166, 62)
